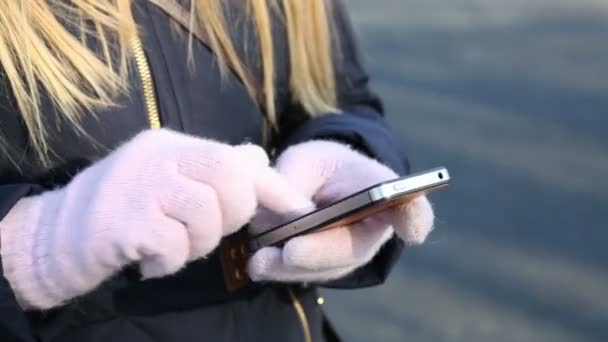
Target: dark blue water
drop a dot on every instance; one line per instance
(511, 96)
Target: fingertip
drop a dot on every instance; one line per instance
(295, 250)
(319, 250)
(415, 221)
(276, 194)
(254, 153)
(262, 262)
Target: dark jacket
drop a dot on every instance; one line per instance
(192, 305)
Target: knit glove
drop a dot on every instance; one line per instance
(327, 171)
(160, 200)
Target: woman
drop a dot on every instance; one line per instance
(114, 229)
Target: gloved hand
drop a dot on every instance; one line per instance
(160, 200)
(327, 171)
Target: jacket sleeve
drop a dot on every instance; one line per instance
(14, 325)
(361, 125)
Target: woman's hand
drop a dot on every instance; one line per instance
(325, 172)
(160, 200)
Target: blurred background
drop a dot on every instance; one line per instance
(512, 96)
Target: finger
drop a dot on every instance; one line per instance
(254, 154)
(226, 171)
(196, 206)
(272, 190)
(306, 166)
(360, 173)
(337, 247)
(275, 193)
(166, 250)
(330, 170)
(267, 265)
(414, 221)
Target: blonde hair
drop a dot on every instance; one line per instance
(39, 54)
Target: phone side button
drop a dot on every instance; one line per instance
(401, 186)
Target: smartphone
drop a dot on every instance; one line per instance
(355, 207)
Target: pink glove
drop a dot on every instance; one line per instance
(161, 200)
(325, 172)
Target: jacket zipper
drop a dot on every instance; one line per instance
(147, 83)
(297, 305)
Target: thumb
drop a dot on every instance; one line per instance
(310, 164)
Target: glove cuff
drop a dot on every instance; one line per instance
(25, 255)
